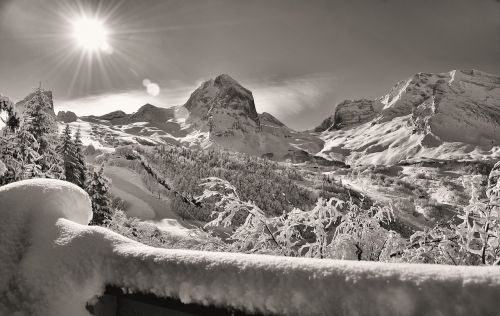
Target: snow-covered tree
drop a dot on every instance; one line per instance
(360, 234)
(11, 120)
(3, 169)
(66, 148)
(98, 192)
(255, 234)
(39, 122)
(80, 165)
(474, 240)
(19, 152)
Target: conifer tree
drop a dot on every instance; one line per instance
(19, 154)
(37, 119)
(42, 125)
(98, 192)
(80, 166)
(66, 149)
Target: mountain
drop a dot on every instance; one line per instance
(220, 113)
(66, 116)
(453, 115)
(227, 111)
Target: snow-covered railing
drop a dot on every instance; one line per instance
(52, 263)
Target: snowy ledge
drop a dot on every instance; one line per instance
(52, 263)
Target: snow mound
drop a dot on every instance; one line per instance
(53, 265)
(29, 210)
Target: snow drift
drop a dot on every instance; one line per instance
(53, 264)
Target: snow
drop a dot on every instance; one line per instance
(52, 264)
(171, 226)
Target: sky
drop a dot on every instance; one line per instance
(299, 58)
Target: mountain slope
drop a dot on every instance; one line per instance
(227, 111)
(454, 115)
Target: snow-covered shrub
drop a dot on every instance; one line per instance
(473, 240)
(332, 229)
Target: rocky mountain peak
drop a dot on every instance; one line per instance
(66, 116)
(269, 119)
(349, 113)
(222, 94)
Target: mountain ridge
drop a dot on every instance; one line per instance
(452, 115)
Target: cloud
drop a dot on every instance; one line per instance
(291, 98)
(127, 101)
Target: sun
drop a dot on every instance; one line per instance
(90, 34)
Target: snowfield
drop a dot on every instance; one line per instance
(52, 263)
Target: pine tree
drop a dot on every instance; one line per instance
(98, 192)
(66, 149)
(19, 153)
(38, 120)
(42, 125)
(80, 166)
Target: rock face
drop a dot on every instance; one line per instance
(20, 106)
(223, 107)
(350, 113)
(66, 117)
(453, 115)
(270, 120)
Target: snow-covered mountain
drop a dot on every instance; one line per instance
(453, 115)
(220, 113)
(226, 110)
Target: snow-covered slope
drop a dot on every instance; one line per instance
(53, 264)
(454, 115)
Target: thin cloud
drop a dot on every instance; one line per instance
(290, 98)
(127, 101)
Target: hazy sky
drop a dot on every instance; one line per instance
(300, 58)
